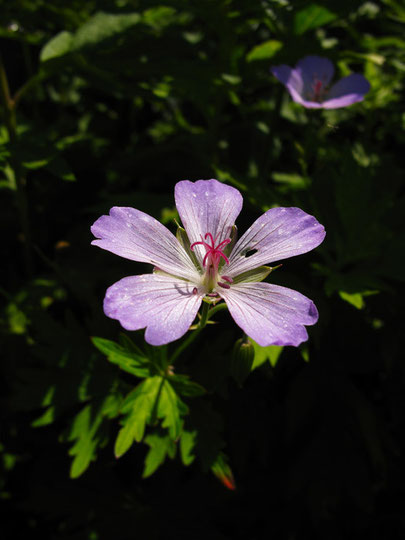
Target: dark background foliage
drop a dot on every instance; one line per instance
(114, 102)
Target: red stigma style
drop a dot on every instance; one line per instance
(211, 260)
(214, 253)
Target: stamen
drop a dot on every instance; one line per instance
(212, 295)
(195, 290)
(224, 285)
(227, 279)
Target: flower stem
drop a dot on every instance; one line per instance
(9, 106)
(206, 314)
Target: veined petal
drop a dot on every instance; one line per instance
(270, 314)
(315, 67)
(137, 236)
(166, 306)
(347, 91)
(207, 206)
(278, 234)
(297, 83)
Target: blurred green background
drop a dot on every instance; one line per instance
(111, 103)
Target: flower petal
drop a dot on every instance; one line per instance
(164, 305)
(347, 91)
(278, 234)
(314, 68)
(137, 236)
(294, 82)
(207, 206)
(270, 314)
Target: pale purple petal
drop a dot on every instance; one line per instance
(313, 68)
(278, 234)
(293, 81)
(207, 206)
(270, 314)
(347, 91)
(164, 305)
(137, 236)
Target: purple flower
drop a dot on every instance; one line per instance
(308, 84)
(200, 263)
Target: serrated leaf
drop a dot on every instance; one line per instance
(88, 433)
(262, 354)
(185, 387)
(264, 51)
(129, 361)
(139, 405)
(312, 17)
(160, 447)
(187, 444)
(170, 409)
(153, 399)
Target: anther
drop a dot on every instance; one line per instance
(224, 285)
(227, 279)
(195, 290)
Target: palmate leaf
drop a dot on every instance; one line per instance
(152, 400)
(160, 447)
(130, 361)
(88, 430)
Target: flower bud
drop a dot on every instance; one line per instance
(242, 360)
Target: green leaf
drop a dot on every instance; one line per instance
(187, 444)
(185, 387)
(57, 46)
(139, 405)
(87, 430)
(171, 409)
(312, 17)
(160, 447)
(262, 354)
(356, 299)
(153, 399)
(264, 51)
(102, 27)
(129, 361)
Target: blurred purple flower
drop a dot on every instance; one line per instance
(200, 264)
(308, 84)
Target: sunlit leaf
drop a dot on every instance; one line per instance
(88, 433)
(138, 407)
(160, 447)
(264, 51)
(262, 354)
(131, 362)
(312, 17)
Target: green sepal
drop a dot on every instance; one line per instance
(182, 237)
(253, 276)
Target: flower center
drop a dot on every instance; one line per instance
(213, 255)
(318, 89)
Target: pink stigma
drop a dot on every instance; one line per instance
(318, 89)
(213, 252)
